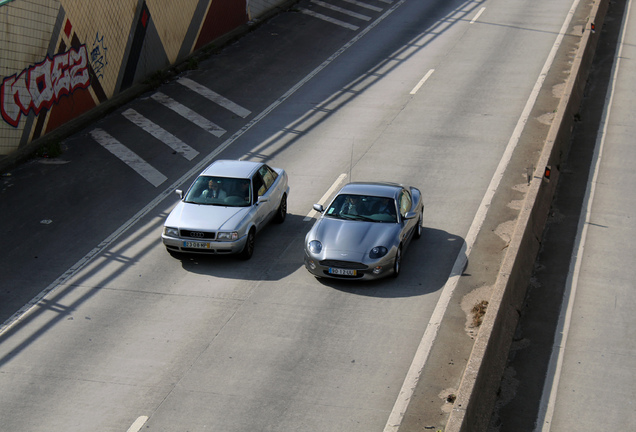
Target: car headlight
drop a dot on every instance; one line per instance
(378, 252)
(227, 236)
(314, 246)
(171, 232)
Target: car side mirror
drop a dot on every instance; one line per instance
(319, 208)
(410, 215)
(180, 193)
(262, 199)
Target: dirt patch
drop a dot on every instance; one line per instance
(477, 298)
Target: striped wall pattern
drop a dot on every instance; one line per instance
(62, 58)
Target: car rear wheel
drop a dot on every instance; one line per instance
(248, 249)
(281, 214)
(397, 264)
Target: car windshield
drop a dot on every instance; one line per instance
(220, 191)
(363, 207)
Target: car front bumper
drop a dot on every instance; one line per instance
(175, 244)
(339, 269)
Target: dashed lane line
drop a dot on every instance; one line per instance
(326, 196)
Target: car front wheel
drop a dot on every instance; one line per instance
(397, 264)
(248, 249)
(418, 228)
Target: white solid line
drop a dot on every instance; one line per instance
(138, 424)
(327, 194)
(553, 375)
(128, 156)
(188, 114)
(341, 10)
(478, 15)
(214, 97)
(329, 19)
(161, 134)
(430, 334)
(364, 5)
(422, 81)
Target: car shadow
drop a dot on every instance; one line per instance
(279, 252)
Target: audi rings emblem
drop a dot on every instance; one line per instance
(197, 234)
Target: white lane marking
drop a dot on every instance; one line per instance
(422, 81)
(481, 11)
(329, 19)
(214, 97)
(430, 334)
(128, 156)
(138, 424)
(341, 10)
(555, 365)
(188, 114)
(364, 5)
(327, 194)
(161, 134)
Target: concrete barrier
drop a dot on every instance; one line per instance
(477, 393)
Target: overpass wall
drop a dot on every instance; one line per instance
(477, 394)
(60, 59)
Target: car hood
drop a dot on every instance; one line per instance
(353, 237)
(205, 217)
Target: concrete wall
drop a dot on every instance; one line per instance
(477, 394)
(60, 59)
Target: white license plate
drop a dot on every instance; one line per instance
(342, 272)
(196, 245)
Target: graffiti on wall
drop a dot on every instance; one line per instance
(40, 86)
(98, 56)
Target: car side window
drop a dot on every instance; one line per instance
(405, 202)
(258, 186)
(268, 175)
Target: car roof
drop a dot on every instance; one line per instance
(383, 189)
(231, 168)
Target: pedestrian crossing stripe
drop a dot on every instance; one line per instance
(188, 114)
(161, 134)
(129, 157)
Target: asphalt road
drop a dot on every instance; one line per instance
(104, 330)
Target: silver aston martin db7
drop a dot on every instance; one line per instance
(364, 231)
(228, 203)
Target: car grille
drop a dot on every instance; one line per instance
(343, 264)
(197, 235)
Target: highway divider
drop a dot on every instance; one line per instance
(480, 382)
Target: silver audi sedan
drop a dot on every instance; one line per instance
(228, 203)
(364, 231)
